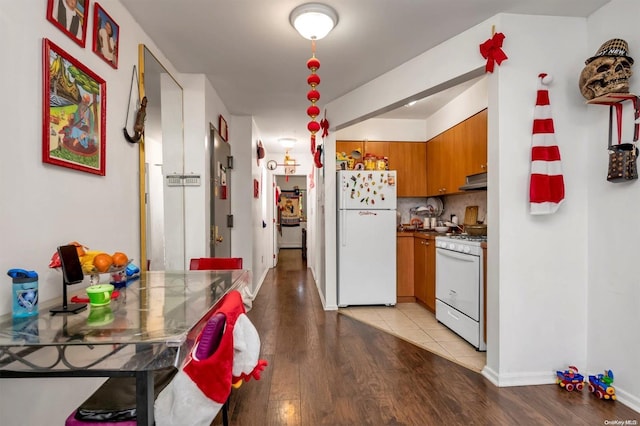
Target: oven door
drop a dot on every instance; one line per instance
(458, 281)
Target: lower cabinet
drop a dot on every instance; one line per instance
(404, 268)
(424, 271)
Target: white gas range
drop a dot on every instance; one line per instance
(459, 286)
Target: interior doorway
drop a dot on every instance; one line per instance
(221, 219)
(290, 214)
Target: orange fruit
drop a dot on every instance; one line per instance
(119, 259)
(102, 262)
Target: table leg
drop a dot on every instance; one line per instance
(144, 398)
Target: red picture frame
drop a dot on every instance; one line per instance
(256, 188)
(106, 36)
(223, 129)
(74, 109)
(70, 17)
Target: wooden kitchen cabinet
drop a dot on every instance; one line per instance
(424, 272)
(409, 159)
(404, 268)
(456, 153)
(349, 146)
(377, 148)
(444, 164)
(474, 135)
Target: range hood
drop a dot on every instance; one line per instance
(475, 182)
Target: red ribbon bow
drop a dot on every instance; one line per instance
(491, 50)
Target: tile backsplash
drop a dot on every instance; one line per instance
(453, 204)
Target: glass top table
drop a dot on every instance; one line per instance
(152, 324)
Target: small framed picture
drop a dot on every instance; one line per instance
(106, 36)
(70, 16)
(224, 130)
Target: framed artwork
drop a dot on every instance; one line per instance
(73, 113)
(106, 36)
(224, 130)
(70, 16)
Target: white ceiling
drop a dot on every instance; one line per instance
(257, 62)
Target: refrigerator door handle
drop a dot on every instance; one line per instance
(342, 193)
(343, 229)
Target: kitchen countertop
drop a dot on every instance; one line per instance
(427, 235)
(421, 234)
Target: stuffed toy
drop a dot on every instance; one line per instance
(201, 387)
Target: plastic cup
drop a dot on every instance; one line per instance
(100, 294)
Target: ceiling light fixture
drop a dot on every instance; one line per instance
(287, 142)
(313, 20)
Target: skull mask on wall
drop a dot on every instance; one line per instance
(608, 71)
(608, 74)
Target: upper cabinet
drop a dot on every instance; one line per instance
(456, 153)
(349, 146)
(474, 133)
(409, 159)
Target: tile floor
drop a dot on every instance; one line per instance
(413, 323)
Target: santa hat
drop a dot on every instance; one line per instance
(546, 186)
(201, 387)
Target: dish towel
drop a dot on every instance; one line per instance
(546, 185)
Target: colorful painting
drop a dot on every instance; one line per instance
(289, 208)
(70, 16)
(106, 36)
(74, 111)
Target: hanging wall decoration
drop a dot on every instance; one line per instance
(106, 36)
(70, 17)
(313, 95)
(492, 51)
(546, 185)
(74, 113)
(608, 71)
(259, 152)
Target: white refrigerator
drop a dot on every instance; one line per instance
(366, 237)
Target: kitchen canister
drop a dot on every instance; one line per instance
(25, 292)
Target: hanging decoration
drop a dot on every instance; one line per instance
(313, 95)
(491, 50)
(324, 123)
(141, 114)
(546, 185)
(259, 152)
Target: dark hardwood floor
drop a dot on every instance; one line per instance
(329, 369)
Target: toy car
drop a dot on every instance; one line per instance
(601, 386)
(570, 379)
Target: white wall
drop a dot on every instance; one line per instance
(45, 206)
(614, 288)
(196, 136)
(468, 103)
(384, 129)
(540, 292)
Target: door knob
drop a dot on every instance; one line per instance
(219, 239)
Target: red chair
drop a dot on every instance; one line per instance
(215, 263)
